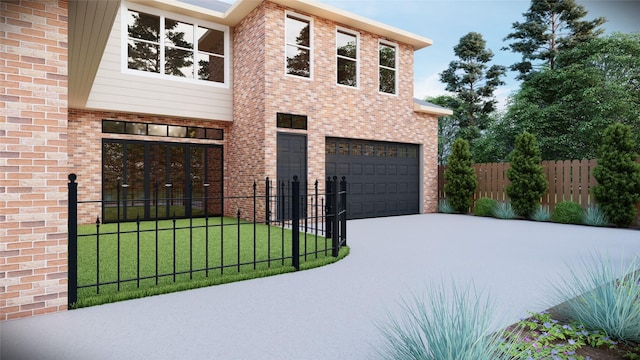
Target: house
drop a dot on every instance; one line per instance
(148, 97)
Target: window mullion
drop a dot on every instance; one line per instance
(162, 44)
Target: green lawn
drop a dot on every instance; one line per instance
(191, 256)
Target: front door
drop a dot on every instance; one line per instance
(291, 161)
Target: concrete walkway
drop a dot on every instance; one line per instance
(326, 313)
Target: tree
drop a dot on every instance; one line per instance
(448, 127)
(596, 84)
(550, 27)
(618, 175)
(528, 183)
(473, 82)
(460, 178)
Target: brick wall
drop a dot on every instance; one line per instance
(338, 111)
(33, 158)
(85, 149)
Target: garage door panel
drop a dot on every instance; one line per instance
(355, 188)
(343, 168)
(369, 169)
(369, 188)
(383, 178)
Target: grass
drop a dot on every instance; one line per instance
(504, 211)
(445, 207)
(603, 297)
(193, 255)
(449, 323)
(593, 216)
(541, 214)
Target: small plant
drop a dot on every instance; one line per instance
(542, 337)
(504, 211)
(446, 324)
(595, 217)
(460, 178)
(542, 214)
(603, 297)
(485, 207)
(567, 212)
(445, 207)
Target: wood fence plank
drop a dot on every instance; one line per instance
(584, 183)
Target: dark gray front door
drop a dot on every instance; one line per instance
(291, 161)
(383, 179)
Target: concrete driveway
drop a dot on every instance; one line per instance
(326, 313)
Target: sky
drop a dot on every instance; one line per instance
(446, 21)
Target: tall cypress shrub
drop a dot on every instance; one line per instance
(460, 178)
(528, 182)
(618, 175)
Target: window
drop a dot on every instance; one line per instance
(291, 121)
(387, 68)
(298, 45)
(136, 128)
(347, 52)
(176, 47)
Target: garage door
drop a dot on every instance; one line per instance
(383, 178)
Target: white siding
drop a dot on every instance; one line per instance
(115, 90)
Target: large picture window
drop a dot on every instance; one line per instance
(347, 53)
(175, 47)
(387, 68)
(298, 45)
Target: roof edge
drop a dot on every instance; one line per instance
(429, 108)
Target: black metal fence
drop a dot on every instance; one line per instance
(298, 225)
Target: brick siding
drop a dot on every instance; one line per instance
(262, 90)
(33, 158)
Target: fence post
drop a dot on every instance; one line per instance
(334, 220)
(295, 222)
(267, 198)
(72, 233)
(328, 207)
(343, 211)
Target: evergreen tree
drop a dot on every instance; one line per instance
(550, 27)
(618, 175)
(460, 178)
(473, 82)
(528, 183)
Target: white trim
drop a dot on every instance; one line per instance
(397, 48)
(357, 59)
(287, 14)
(126, 6)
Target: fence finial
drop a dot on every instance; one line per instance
(72, 177)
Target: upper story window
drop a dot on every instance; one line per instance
(177, 47)
(347, 52)
(388, 61)
(298, 45)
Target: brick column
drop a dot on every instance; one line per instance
(33, 157)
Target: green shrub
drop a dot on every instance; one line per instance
(485, 207)
(504, 211)
(603, 296)
(595, 217)
(618, 175)
(567, 212)
(445, 207)
(528, 183)
(460, 178)
(449, 323)
(542, 213)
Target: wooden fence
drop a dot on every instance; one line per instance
(568, 180)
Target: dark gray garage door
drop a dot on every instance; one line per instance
(383, 178)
